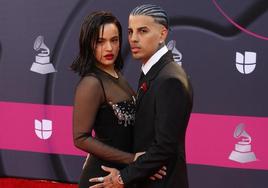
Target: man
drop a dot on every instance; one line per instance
(164, 105)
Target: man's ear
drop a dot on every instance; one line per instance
(163, 33)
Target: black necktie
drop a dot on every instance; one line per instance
(141, 78)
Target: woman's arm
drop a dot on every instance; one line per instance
(88, 98)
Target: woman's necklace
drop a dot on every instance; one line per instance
(111, 71)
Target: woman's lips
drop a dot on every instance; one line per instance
(109, 56)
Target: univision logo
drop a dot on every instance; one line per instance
(246, 64)
(43, 129)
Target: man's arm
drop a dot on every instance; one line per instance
(171, 107)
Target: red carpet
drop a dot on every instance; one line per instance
(27, 183)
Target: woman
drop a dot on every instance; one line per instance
(103, 99)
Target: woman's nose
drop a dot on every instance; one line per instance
(109, 46)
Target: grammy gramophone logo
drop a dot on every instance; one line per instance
(42, 62)
(242, 152)
(177, 56)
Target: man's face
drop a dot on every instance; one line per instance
(145, 36)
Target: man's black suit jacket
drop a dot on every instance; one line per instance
(164, 105)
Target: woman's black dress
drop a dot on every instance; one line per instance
(104, 113)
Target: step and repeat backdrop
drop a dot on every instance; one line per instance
(223, 45)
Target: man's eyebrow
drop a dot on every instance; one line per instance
(143, 27)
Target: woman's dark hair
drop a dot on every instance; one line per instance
(89, 35)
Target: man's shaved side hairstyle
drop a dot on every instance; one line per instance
(159, 14)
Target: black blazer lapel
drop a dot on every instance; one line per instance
(153, 72)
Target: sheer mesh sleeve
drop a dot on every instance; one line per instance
(88, 98)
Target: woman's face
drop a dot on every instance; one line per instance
(107, 45)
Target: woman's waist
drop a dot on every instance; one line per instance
(96, 161)
(121, 144)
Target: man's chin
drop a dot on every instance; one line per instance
(136, 56)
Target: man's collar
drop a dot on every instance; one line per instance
(154, 59)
